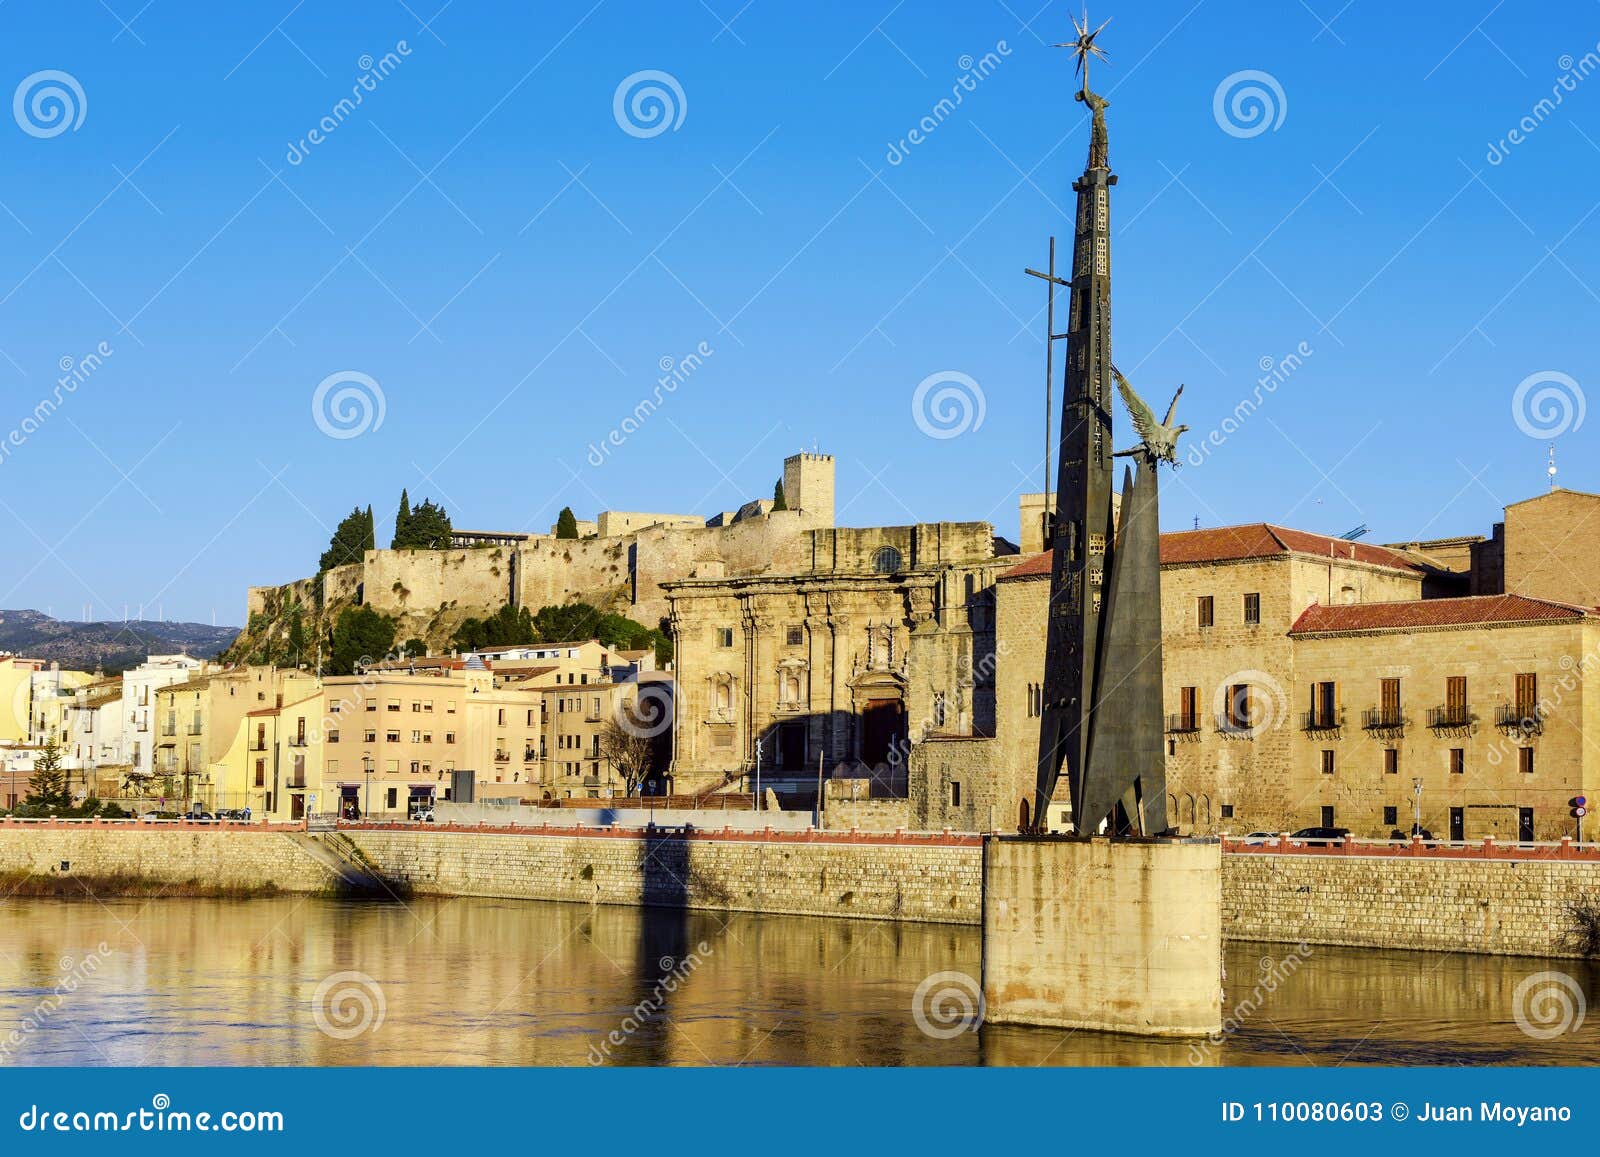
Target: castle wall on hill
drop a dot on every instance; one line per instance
(550, 571)
(273, 601)
(342, 584)
(625, 555)
(776, 544)
(400, 582)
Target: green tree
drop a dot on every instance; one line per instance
(351, 537)
(566, 523)
(360, 636)
(430, 527)
(414, 649)
(297, 636)
(402, 523)
(510, 626)
(778, 500)
(372, 531)
(47, 787)
(571, 622)
(425, 527)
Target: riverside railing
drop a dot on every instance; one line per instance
(1416, 847)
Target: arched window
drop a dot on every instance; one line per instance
(887, 561)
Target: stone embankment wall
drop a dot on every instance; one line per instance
(184, 857)
(934, 879)
(1435, 901)
(1502, 901)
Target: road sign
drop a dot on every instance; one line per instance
(1580, 812)
(1581, 801)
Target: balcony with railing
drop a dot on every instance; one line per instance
(1450, 717)
(1321, 719)
(1383, 719)
(1520, 718)
(1235, 725)
(1182, 724)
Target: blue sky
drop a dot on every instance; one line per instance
(483, 239)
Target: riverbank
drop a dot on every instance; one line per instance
(1493, 900)
(123, 885)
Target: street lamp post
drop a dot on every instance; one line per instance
(756, 803)
(1416, 825)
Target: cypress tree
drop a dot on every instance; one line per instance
(402, 523)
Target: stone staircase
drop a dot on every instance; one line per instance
(354, 874)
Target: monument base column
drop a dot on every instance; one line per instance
(1116, 936)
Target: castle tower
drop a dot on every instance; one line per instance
(808, 486)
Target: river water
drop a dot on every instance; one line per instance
(312, 981)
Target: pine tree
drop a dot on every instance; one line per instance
(778, 500)
(350, 539)
(430, 527)
(402, 523)
(566, 523)
(47, 787)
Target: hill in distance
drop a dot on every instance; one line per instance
(108, 645)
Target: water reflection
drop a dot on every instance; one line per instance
(473, 982)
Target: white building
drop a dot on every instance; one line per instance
(139, 703)
(94, 735)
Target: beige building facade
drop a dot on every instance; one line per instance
(1309, 683)
(879, 641)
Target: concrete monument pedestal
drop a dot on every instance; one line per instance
(1115, 936)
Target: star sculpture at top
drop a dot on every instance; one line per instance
(1084, 46)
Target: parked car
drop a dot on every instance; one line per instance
(1256, 839)
(1321, 834)
(423, 815)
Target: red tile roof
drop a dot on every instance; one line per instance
(1036, 567)
(1482, 610)
(1234, 543)
(1263, 540)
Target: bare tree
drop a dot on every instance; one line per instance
(629, 751)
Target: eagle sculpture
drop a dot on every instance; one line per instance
(1160, 438)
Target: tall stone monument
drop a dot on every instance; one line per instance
(1101, 724)
(1118, 925)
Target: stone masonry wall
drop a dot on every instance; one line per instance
(208, 858)
(1502, 907)
(921, 880)
(1435, 903)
